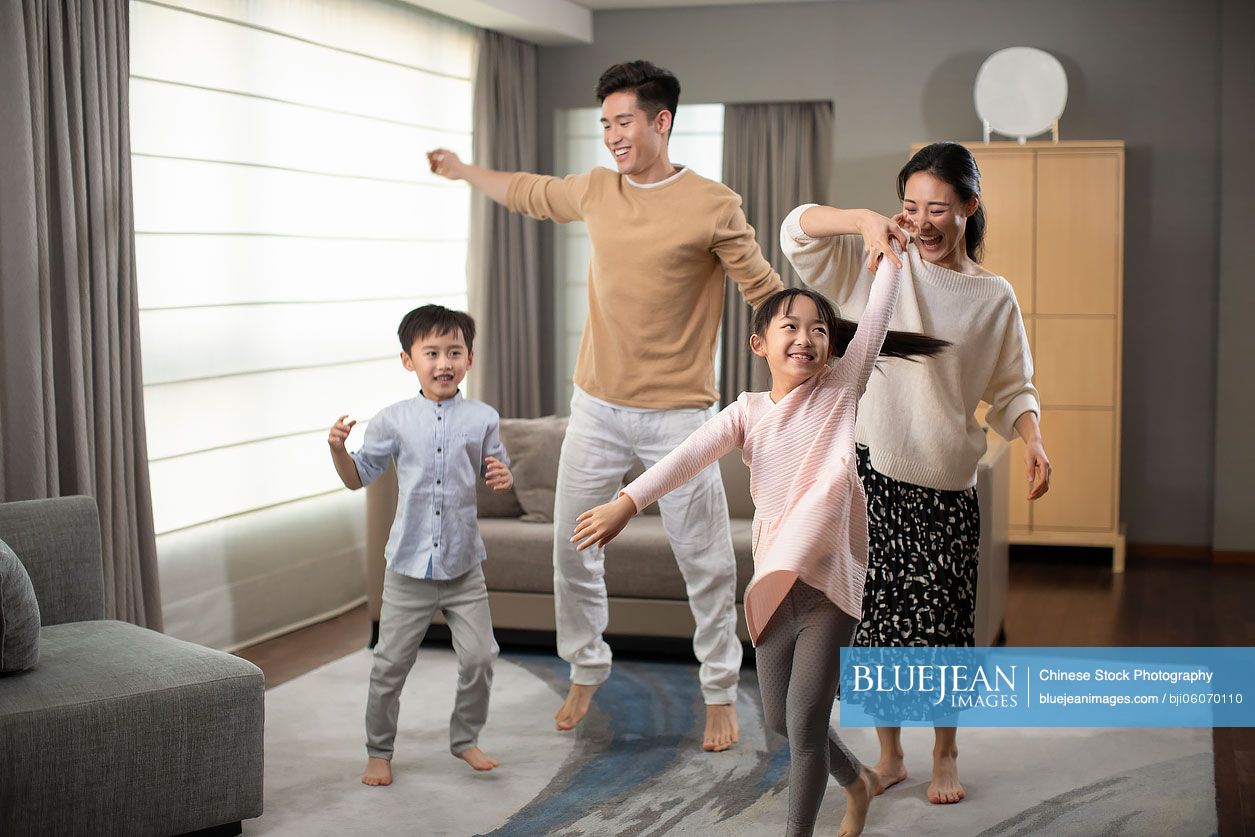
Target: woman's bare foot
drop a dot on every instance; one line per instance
(378, 772)
(945, 788)
(476, 758)
(858, 797)
(575, 707)
(888, 772)
(721, 727)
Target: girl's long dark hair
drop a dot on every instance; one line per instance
(951, 163)
(909, 345)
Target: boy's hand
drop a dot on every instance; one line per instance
(340, 432)
(601, 525)
(445, 163)
(498, 476)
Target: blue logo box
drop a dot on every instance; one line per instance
(1048, 687)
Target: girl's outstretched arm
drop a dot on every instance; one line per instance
(705, 445)
(874, 324)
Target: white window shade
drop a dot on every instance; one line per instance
(285, 221)
(696, 143)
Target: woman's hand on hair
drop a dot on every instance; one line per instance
(879, 233)
(602, 524)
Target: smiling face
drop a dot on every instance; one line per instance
(637, 143)
(939, 218)
(795, 343)
(440, 361)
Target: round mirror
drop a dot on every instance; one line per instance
(1021, 92)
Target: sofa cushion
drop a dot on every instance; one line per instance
(122, 730)
(19, 615)
(639, 563)
(534, 445)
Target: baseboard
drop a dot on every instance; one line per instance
(1191, 553)
(1234, 557)
(339, 610)
(1169, 552)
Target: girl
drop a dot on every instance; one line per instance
(810, 522)
(919, 441)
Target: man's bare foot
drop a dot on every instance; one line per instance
(888, 772)
(945, 788)
(575, 707)
(721, 727)
(476, 758)
(378, 772)
(858, 797)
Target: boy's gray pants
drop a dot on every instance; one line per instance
(408, 606)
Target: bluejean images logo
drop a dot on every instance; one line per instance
(953, 686)
(1048, 687)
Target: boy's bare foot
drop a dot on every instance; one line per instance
(858, 797)
(378, 772)
(721, 727)
(888, 772)
(945, 788)
(575, 707)
(477, 759)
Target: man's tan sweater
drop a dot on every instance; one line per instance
(655, 283)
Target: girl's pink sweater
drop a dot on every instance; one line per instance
(810, 518)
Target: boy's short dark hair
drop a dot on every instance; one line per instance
(435, 319)
(656, 89)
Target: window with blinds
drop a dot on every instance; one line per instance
(285, 221)
(696, 142)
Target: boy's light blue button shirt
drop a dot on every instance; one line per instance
(439, 447)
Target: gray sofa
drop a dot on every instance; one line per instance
(117, 729)
(645, 589)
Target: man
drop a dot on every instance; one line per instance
(663, 239)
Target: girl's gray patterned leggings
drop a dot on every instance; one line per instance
(798, 661)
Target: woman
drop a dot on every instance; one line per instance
(919, 441)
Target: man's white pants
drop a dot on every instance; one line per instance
(601, 442)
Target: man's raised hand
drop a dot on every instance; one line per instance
(445, 163)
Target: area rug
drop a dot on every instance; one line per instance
(636, 767)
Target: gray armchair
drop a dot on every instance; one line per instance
(118, 729)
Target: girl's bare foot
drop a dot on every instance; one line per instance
(858, 797)
(575, 707)
(888, 772)
(721, 727)
(476, 758)
(378, 772)
(945, 788)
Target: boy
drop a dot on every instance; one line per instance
(442, 445)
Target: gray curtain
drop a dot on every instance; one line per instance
(775, 156)
(71, 394)
(504, 259)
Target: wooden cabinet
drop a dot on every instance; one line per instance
(1056, 232)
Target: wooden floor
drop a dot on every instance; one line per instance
(1060, 597)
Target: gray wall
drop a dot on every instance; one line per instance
(1235, 379)
(901, 71)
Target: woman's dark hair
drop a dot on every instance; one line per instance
(951, 163)
(656, 89)
(909, 345)
(438, 320)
